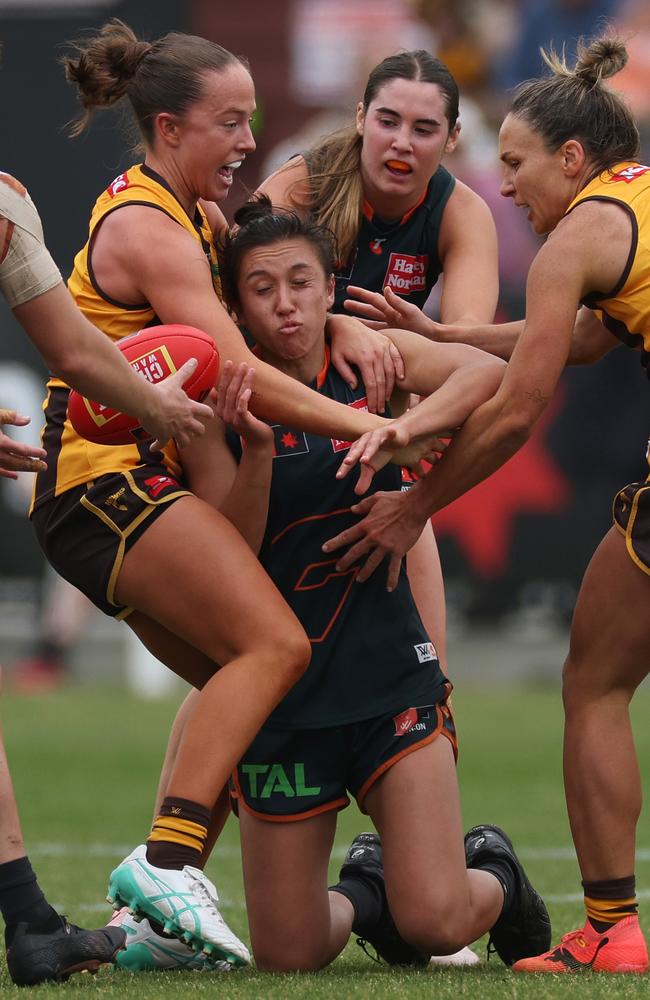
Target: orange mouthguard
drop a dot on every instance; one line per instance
(398, 165)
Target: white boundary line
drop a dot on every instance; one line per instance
(115, 852)
(236, 904)
(57, 849)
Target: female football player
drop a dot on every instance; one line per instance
(570, 152)
(400, 220)
(119, 522)
(371, 715)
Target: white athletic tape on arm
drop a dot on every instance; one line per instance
(27, 269)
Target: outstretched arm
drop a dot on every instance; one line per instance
(72, 346)
(495, 431)
(174, 276)
(456, 379)
(88, 361)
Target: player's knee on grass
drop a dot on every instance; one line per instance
(434, 930)
(299, 956)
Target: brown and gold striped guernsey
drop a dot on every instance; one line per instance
(71, 459)
(625, 309)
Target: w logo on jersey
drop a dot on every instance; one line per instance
(288, 442)
(425, 652)
(630, 173)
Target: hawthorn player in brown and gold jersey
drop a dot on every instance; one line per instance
(120, 524)
(71, 459)
(570, 151)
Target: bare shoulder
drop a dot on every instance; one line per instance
(601, 260)
(287, 187)
(465, 212)
(612, 218)
(463, 199)
(216, 218)
(136, 232)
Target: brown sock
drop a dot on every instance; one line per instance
(178, 834)
(609, 901)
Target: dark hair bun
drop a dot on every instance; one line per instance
(258, 208)
(600, 59)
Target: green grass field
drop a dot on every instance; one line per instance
(85, 765)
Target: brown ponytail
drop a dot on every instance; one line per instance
(165, 75)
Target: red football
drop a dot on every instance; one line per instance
(155, 353)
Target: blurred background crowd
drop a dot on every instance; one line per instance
(514, 549)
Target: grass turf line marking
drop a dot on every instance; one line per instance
(57, 849)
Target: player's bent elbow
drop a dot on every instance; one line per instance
(512, 428)
(72, 366)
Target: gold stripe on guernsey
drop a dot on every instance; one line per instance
(76, 460)
(625, 309)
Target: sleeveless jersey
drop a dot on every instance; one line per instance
(370, 651)
(402, 254)
(71, 459)
(625, 309)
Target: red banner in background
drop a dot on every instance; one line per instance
(482, 521)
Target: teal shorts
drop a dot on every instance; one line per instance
(288, 775)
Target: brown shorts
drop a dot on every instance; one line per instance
(86, 531)
(631, 513)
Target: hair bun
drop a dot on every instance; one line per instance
(601, 59)
(257, 208)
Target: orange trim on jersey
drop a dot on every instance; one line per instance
(369, 211)
(410, 212)
(238, 795)
(322, 375)
(439, 730)
(353, 572)
(305, 520)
